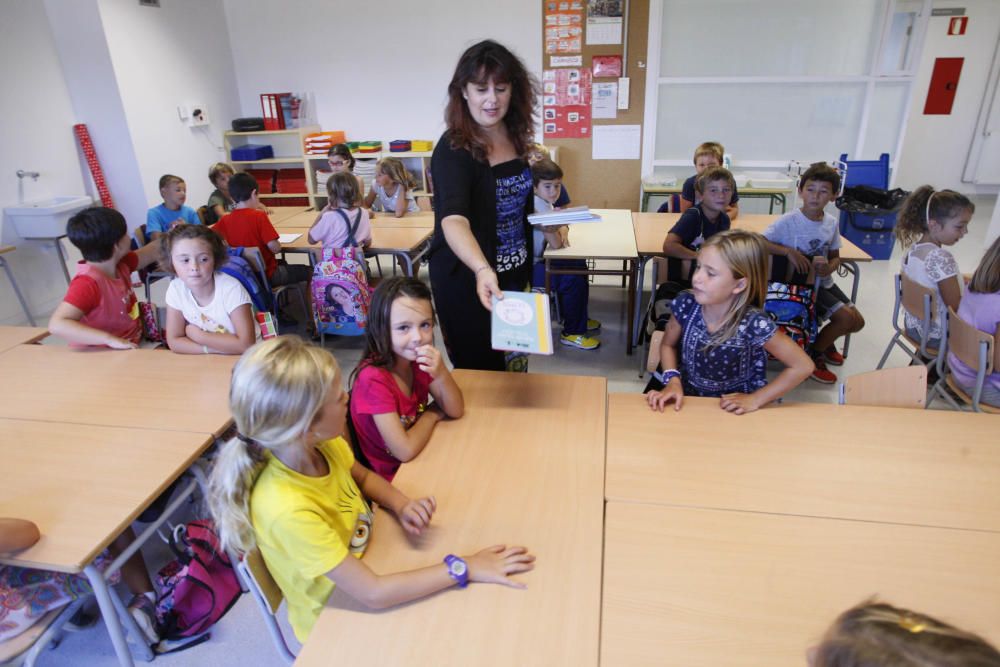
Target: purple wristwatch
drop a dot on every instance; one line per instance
(457, 569)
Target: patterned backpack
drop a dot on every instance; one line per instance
(793, 309)
(341, 295)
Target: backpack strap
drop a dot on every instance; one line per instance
(355, 441)
(351, 229)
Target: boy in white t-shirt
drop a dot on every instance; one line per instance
(808, 236)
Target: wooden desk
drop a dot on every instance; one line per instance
(514, 469)
(145, 389)
(776, 195)
(83, 485)
(703, 588)
(923, 467)
(421, 220)
(11, 336)
(406, 243)
(279, 214)
(652, 228)
(613, 238)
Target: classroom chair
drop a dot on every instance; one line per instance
(46, 633)
(904, 387)
(978, 350)
(921, 303)
(148, 276)
(256, 260)
(257, 578)
(425, 203)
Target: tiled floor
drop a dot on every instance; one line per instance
(241, 639)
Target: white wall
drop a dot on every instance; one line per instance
(38, 136)
(165, 57)
(378, 69)
(936, 147)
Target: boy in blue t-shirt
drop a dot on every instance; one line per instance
(160, 219)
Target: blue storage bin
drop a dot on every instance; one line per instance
(252, 152)
(872, 233)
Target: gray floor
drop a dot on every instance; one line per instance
(241, 638)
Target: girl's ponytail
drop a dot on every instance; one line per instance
(925, 203)
(233, 475)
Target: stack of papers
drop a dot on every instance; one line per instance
(288, 238)
(566, 216)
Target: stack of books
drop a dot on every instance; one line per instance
(566, 216)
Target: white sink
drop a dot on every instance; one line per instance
(46, 218)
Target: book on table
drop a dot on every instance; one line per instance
(520, 322)
(565, 216)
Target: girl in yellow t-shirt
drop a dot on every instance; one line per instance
(288, 484)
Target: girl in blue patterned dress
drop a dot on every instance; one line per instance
(723, 334)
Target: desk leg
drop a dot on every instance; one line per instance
(17, 291)
(110, 615)
(639, 285)
(632, 301)
(645, 201)
(62, 258)
(548, 278)
(856, 272)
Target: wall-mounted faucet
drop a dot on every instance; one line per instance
(21, 173)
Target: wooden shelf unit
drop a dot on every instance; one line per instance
(288, 146)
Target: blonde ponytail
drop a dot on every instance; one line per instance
(277, 389)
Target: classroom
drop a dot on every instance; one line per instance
(852, 474)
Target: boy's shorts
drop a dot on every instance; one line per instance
(830, 300)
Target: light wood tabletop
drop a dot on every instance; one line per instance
(148, 389)
(652, 228)
(384, 239)
(703, 588)
(516, 470)
(613, 237)
(923, 467)
(421, 220)
(83, 485)
(11, 336)
(279, 214)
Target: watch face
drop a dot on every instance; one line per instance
(458, 567)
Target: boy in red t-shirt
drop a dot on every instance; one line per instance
(247, 226)
(100, 307)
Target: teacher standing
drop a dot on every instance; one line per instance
(482, 197)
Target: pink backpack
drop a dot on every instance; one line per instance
(199, 587)
(341, 295)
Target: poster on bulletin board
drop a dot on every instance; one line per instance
(566, 98)
(563, 26)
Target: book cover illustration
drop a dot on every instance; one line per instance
(521, 323)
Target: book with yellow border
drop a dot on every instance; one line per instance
(521, 323)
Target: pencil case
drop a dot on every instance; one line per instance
(399, 146)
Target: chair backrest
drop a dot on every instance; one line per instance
(268, 596)
(966, 342)
(914, 298)
(253, 255)
(140, 235)
(890, 388)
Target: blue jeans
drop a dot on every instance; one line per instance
(572, 291)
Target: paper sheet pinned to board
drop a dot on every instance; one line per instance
(616, 142)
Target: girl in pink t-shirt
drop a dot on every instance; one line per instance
(398, 371)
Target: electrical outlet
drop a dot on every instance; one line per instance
(199, 115)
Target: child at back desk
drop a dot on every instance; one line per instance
(708, 155)
(400, 368)
(573, 291)
(980, 307)
(172, 211)
(536, 154)
(208, 312)
(342, 223)
(392, 188)
(247, 226)
(702, 221)
(717, 342)
(289, 484)
(928, 223)
(100, 307)
(810, 234)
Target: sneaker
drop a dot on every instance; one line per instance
(832, 357)
(593, 325)
(143, 611)
(580, 341)
(821, 372)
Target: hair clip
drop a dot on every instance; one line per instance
(244, 439)
(911, 624)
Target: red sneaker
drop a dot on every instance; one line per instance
(832, 357)
(821, 373)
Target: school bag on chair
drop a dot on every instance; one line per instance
(199, 586)
(239, 268)
(341, 294)
(791, 303)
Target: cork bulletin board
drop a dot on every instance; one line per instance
(571, 91)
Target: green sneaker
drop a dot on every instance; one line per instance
(580, 341)
(593, 325)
